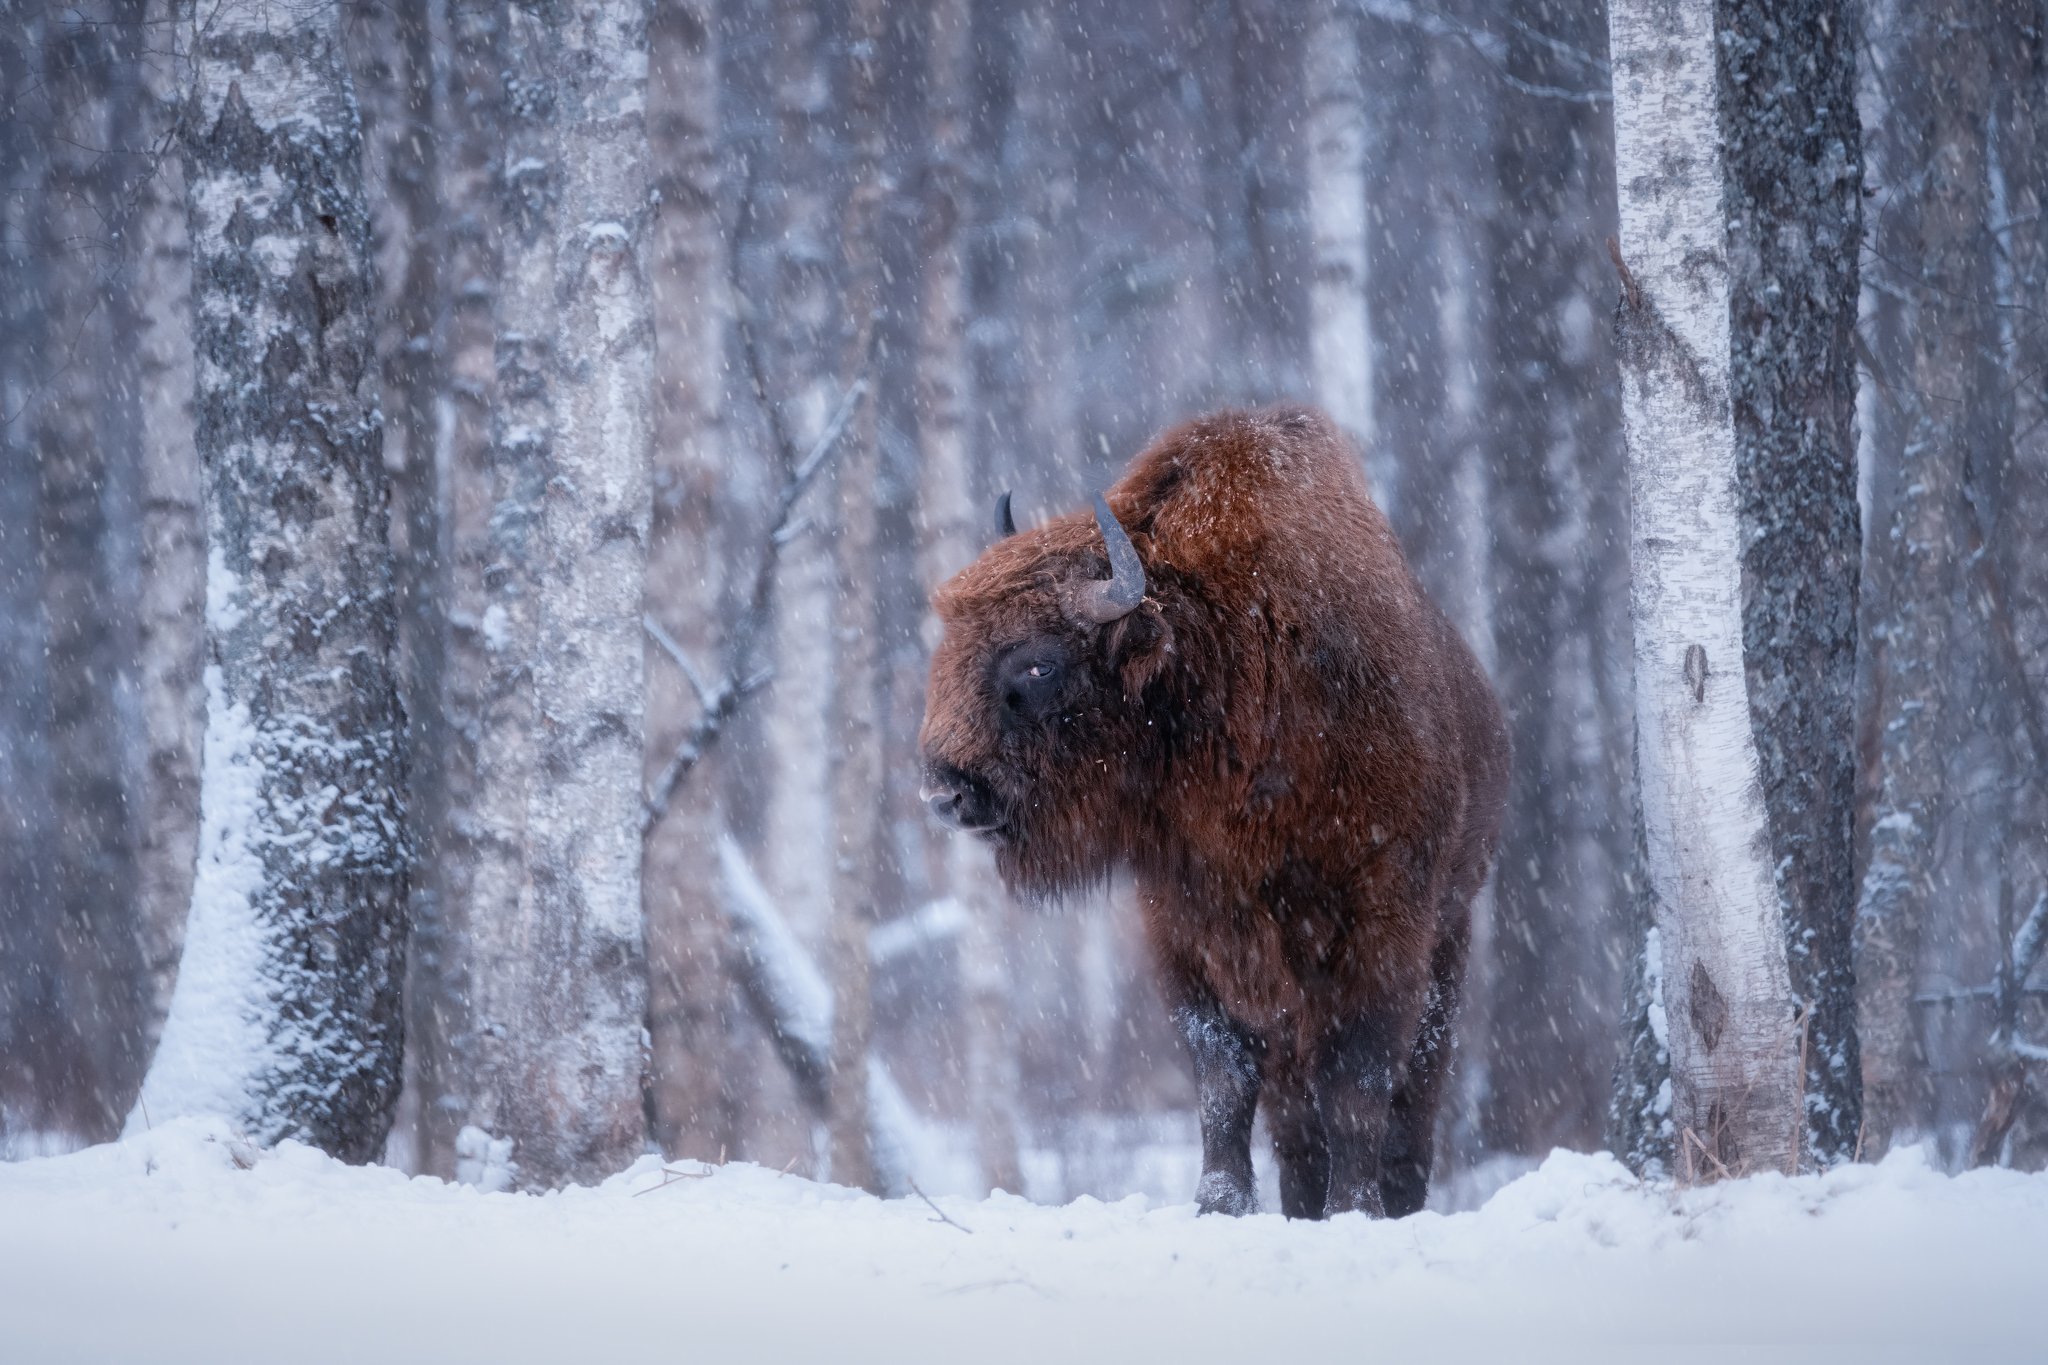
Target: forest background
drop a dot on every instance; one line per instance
(895, 261)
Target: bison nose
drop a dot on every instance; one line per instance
(944, 804)
(958, 801)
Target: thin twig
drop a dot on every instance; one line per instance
(659, 634)
(942, 1218)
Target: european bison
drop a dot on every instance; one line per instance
(1230, 682)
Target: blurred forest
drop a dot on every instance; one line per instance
(897, 260)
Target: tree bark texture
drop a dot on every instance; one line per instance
(857, 693)
(1787, 90)
(557, 984)
(479, 564)
(170, 607)
(1734, 1058)
(1341, 342)
(1939, 114)
(286, 1016)
(691, 998)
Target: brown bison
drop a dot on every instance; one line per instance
(1230, 683)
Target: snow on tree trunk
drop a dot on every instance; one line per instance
(1340, 342)
(170, 608)
(1940, 112)
(1734, 1045)
(286, 1012)
(690, 996)
(1787, 89)
(557, 973)
(857, 698)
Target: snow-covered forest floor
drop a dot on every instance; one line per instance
(186, 1244)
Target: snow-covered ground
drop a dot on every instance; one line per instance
(186, 1244)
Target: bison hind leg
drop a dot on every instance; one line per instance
(1410, 1146)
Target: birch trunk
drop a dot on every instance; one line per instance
(1734, 1058)
(691, 999)
(286, 1013)
(170, 608)
(857, 692)
(1340, 342)
(1787, 88)
(558, 978)
(1940, 117)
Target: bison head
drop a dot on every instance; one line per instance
(1036, 734)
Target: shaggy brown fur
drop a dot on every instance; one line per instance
(1289, 747)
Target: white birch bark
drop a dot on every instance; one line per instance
(558, 981)
(286, 1012)
(170, 606)
(1734, 1058)
(1340, 340)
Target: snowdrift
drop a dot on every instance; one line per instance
(187, 1244)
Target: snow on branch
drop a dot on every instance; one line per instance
(793, 1001)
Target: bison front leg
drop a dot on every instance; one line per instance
(1355, 1074)
(1227, 1088)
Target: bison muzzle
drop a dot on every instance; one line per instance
(1227, 681)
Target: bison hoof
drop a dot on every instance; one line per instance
(1221, 1192)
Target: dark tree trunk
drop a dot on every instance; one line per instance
(1937, 241)
(691, 1000)
(287, 1011)
(1795, 210)
(81, 437)
(1550, 1008)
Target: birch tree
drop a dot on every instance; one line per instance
(1727, 990)
(1340, 340)
(556, 981)
(170, 609)
(286, 1012)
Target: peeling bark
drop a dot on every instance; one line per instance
(1734, 1058)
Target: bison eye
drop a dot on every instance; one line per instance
(1029, 686)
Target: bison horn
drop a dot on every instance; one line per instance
(1006, 525)
(1120, 594)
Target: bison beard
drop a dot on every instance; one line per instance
(1229, 682)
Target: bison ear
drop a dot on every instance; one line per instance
(1139, 647)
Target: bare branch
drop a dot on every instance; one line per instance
(942, 1218)
(668, 644)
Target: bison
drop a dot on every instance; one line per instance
(1230, 683)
